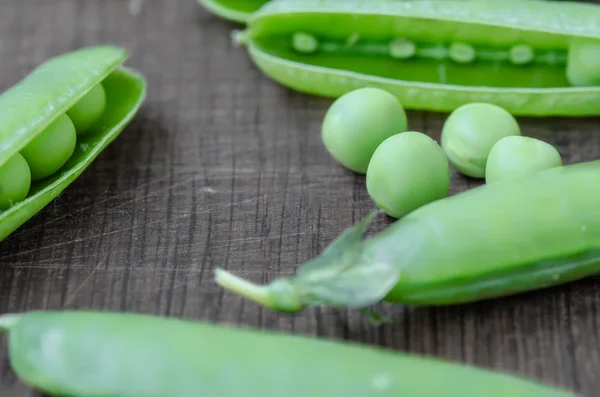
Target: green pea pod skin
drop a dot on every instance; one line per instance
(47, 92)
(240, 11)
(103, 354)
(491, 241)
(521, 51)
(233, 10)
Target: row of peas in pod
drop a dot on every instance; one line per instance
(48, 152)
(366, 131)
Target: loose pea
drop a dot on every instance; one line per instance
(51, 149)
(88, 110)
(407, 171)
(471, 131)
(357, 123)
(15, 181)
(583, 65)
(520, 156)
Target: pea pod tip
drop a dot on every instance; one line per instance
(239, 38)
(8, 321)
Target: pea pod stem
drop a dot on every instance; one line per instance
(8, 321)
(257, 293)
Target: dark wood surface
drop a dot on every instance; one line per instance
(222, 167)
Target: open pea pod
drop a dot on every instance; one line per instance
(535, 58)
(56, 121)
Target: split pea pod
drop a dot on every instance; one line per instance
(104, 354)
(494, 240)
(56, 121)
(533, 58)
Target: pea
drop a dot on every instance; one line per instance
(15, 181)
(519, 156)
(51, 149)
(407, 171)
(471, 131)
(583, 65)
(88, 110)
(357, 123)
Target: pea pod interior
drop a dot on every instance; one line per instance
(47, 93)
(483, 48)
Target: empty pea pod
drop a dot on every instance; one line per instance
(98, 93)
(491, 241)
(109, 354)
(534, 58)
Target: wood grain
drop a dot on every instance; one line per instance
(222, 167)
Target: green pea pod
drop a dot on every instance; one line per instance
(535, 58)
(109, 354)
(240, 11)
(491, 241)
(233, 10)
(32, 107)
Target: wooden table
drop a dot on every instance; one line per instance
(222, 167)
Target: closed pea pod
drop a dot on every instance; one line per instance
(105, 354)
(525, 57)
(35, 122)
(490, 241)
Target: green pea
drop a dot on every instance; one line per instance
(462, 52)
(88, 110)
(471, 131)
(357, 123)
(402, 49)
(304, 42)
(15, 181)
(407, 171)
(583, 66)
(521, 54)
(520, 156)
(51, 149)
